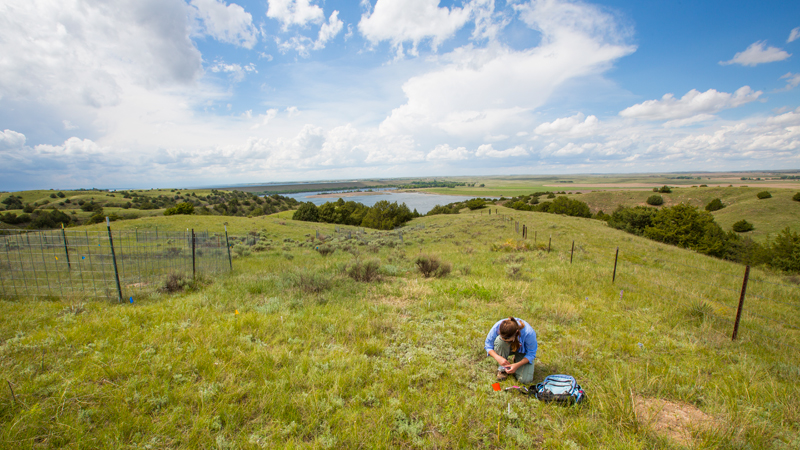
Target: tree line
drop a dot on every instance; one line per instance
(382, 215)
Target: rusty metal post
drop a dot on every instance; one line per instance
(113, 258)
(741, 303)
(614, 277)
(572, 252)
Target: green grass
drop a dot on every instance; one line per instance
(255, 359)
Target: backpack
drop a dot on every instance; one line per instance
(559, 388)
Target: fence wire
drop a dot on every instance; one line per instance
(58, 263)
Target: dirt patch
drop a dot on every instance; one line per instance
(675, 420)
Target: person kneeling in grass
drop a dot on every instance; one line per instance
(512, 337)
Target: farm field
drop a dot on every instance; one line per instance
(289, 350)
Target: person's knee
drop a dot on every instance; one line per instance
(501, 347)
(525, 376)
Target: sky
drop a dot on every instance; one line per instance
(177, 93)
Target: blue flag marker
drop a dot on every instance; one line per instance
(131, 299)
(83, 257)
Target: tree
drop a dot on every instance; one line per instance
(714, 205)
(763, 194)
(682, 225)
(570, 207)
(307, 212)
(633, 220)
(476, 203)
(785, 251)
(181, 208)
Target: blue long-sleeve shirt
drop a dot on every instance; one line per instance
(527, 340)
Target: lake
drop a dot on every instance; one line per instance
(421, 202)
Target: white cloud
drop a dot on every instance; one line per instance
(292, 111)
(486, 150)
(227, 23)
(68, 125)
(295, 12)
(480, 91)
(794, 35)
(756, 54)
(577, 125)
(399, 21)
(10, 139)
(304, 44)
(237, 72)
(792, 80)
(444, 152)
(265, 118)
(328, 30)
(677, 123)
(691, 104)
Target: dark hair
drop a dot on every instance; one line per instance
(510, 328)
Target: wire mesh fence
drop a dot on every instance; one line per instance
(104, 264)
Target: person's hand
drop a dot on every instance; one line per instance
(502, 361)
(511, 368)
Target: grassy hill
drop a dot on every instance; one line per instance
(290, 351)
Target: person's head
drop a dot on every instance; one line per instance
(510, 331)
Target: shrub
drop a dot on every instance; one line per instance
(796, 197)
(364, 271)
(181, 208)
(655, 200)
(309, 282)
(325, 249)
(742, 226)
(763, 194)
(241, 249)
(466, 270)
(476, 203)
(665, 189)
(714, 205)
(430, 265)
(175, 282)
(514, 271)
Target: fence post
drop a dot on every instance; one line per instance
(549, 241)
(228, 246)
(113, 258)
(572, 252)
(66, 249)
(741, 303)
(614, 277)
(194, 273)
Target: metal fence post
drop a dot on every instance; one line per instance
(66, 249)
(228, 246)
(113, 258)
(549, 241)
(572, 252)
(614, 276)
(741, 303)
(194, 270)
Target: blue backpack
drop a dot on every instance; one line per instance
(560, 388)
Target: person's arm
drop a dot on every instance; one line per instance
(500, 360)
(513, 367)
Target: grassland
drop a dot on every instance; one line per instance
(288, 351)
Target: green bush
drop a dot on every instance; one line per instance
(308, 281)
(655, 200)
(326, 249)
(181, 208)
(432, 266)
(796, 197)
(665, 190)
(742, 226)
(714, 205)
(476, 203)
(307, 212)
(763, 194)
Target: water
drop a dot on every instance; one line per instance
(421, 202)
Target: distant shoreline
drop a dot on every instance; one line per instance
(346, 194)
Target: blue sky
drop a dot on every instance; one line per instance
(174, 93)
